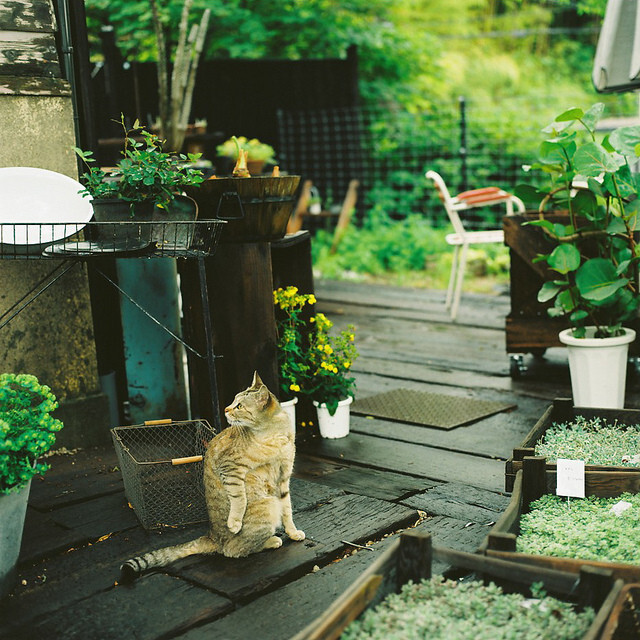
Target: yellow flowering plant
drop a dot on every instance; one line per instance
(330, 358)
(291, 348)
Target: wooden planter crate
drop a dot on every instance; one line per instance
(624, 621)
(529, 329)
(562, 410)
(533, 481)
(411, 557)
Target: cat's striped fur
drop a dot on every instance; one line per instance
(247, 468)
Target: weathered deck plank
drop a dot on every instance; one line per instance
(418, 460)
(348, 517)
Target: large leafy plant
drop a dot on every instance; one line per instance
(27, 428)
(595, 255)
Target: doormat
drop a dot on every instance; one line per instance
(427, 409)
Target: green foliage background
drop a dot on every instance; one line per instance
(517, 62)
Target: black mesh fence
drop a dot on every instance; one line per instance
(469, 143)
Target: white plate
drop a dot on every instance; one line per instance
(35, 202)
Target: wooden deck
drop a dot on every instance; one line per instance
(383, 477)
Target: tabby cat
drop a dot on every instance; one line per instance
(247, 468)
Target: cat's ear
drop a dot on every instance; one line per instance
(264, 397)
(257, 382)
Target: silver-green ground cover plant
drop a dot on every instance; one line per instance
(582, 528)
(447, 609)
(593, 440)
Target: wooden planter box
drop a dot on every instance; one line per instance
(410, 558)
(529, 329)
(532, 482)
(562, 410)
(624, 621)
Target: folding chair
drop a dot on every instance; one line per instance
(461, 239)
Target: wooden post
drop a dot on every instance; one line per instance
(414, 558)
(500, 541)
(534, 480)
(594, 586)
(244, 330)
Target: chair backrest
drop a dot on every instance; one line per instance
(447, 200)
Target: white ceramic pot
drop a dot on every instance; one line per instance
(336, 425)
(13, 509)
(598, 368)
(290, 407)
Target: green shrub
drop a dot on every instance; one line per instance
(27, 429)
(397, 249)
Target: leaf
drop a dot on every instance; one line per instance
(552, 152)
(565, 301)
(593, 115)
(584, 202)
(597, 279)
(528, 193)
(578, 315)
(592, 159)
(541, 223)
(575, 113)
(625, 140)
(626, 181)
(564, 258)
(548, 291)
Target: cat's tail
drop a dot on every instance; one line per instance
(133, 567)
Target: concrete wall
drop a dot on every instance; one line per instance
(53, 337)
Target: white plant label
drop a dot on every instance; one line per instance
(570, 478)
(620, 507)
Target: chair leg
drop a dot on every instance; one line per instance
(452, 277)
(462, 263)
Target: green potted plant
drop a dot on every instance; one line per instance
(27, 430)
(257, 153)
(595, 255)
(145, 177)
(291, 345)
(329, 381)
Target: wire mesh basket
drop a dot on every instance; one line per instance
(153, 239)
(162, 468)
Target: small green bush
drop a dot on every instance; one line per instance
(27, 429)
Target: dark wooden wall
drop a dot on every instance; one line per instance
(235, 96)
(29, 63)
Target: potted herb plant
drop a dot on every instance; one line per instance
(329, 380)
(291, 346)
(27, 430)
(146, 177)
(257, 153)
(595, 256)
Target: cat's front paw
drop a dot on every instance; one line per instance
(296, 534)
(234, 524)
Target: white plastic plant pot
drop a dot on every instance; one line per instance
(336, 425)
(290, 408)
(598, 368)
(13, 509)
